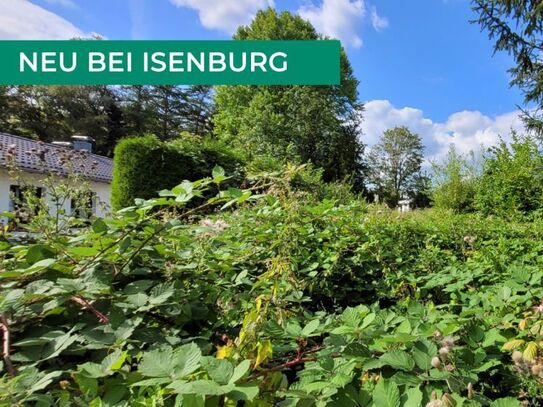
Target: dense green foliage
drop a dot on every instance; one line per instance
(512, 179)
(455, 183)
(106, 113)
(287, 300)
(297, 123)
(145, 165)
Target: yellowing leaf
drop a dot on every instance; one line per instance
(530, 352)
(513, 344)
(224, 352)
(264, 352)
(523, 324)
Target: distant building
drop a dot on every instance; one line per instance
(404, 205)
(35, 158)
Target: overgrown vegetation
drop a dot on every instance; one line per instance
(255, 283)
(286, 300)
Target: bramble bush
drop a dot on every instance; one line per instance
(267, 296)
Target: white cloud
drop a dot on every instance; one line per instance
(342, 19)
(339, 19)
(23, 20)
(468, 130)
(63, 3)
(379, 23)
(225, 15)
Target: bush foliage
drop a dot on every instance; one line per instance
(145, 165)
(512, 179)
(286, 300)
(455, 183)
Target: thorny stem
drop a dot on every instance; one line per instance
(87, 305)
(301, 358)
(4, 325)
(158, 231)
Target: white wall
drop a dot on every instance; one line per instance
(102, 190)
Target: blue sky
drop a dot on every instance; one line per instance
(420, 62)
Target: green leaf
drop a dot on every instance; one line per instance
(92, 370)
(398, 359)
(160, 293)
(413, 397)
(40, 265)
(99, 226)
(386, 394)
(113, 361)
(186, 359)
(506, 402)
(190, 400)
(423, 352)
(220, 370)
(38, 252)
(351, 317)
(43, 381)
(139, 299)
(368, 319)
(310, 328)
(152, 382)
(240, 371)
(200, 387)
(58, 344)
(125, 244)
(83, 251)
(218, 174)
(88, 385)
(157, 363)
(183, 192)
(244, 392)
(343, 330)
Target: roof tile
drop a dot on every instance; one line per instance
(37, 156)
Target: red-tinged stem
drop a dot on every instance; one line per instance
(290, 363)
(87, 305)
(4, 325)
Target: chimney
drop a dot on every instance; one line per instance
(82, 143)
(67, 144)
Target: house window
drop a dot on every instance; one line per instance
(83, 206)
(18, 201)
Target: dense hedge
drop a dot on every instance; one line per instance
(145, 165)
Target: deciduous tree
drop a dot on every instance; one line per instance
(396, 165)
(300, 123)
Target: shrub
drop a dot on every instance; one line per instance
(454, 183)
(145, 165)
(512, 179)
(283, 302)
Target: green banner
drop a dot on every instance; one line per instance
(169, 62)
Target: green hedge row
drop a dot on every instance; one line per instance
(145, 165)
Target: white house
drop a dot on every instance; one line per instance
(34, 159)
(404, 205)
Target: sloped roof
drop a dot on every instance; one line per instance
(36, 156)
